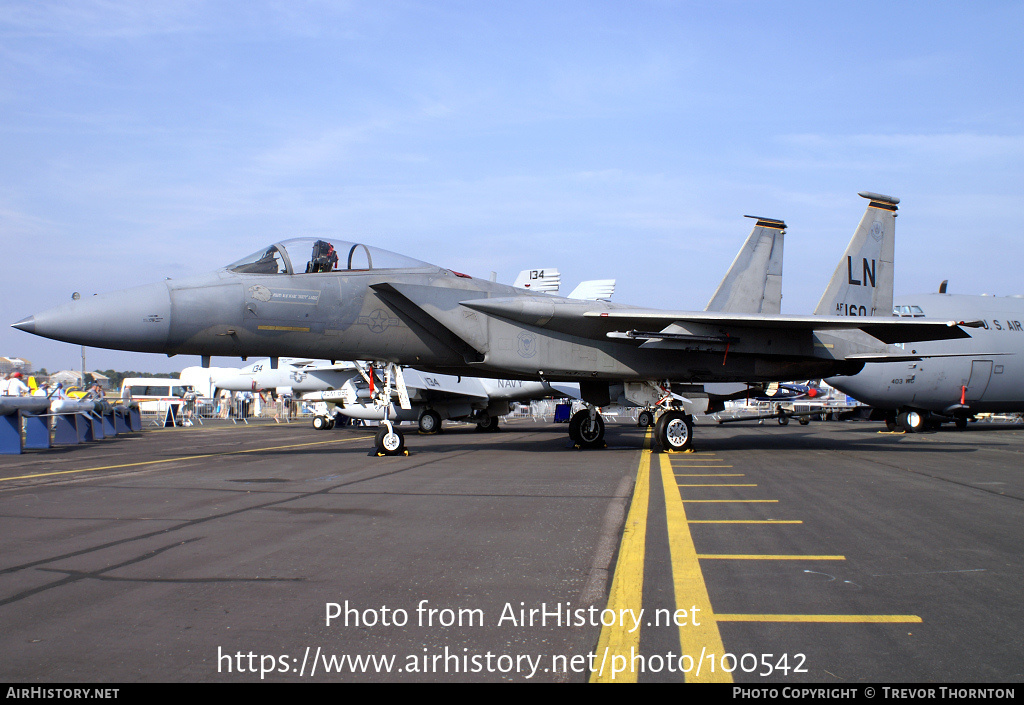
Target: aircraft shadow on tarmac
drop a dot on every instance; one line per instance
(626, 437)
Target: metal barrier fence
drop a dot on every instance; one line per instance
(238, 409)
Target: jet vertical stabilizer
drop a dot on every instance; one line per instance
(594, 290)
(547, 280)
(862, 282)
(753, 283)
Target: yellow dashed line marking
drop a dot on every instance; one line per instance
(690, 589)
(716, 474)
(766, 557)
(745, 521)
(717, 485)
(722, 501)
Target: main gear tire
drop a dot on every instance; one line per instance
(674, 431)
(430, 422)
(586, 433)
(486, 423)
(912, 421)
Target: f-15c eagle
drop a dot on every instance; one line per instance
(321, 298)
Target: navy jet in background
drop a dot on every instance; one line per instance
(330, 299)
(347, 386)
(950, 380)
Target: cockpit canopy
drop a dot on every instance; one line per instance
(908, 311)
(310, 255)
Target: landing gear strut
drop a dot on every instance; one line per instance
(389, 440)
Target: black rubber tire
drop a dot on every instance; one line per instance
(645, 419)
(487, 423)
(583, 433)
(674, 431)
(320, 423)
(430, 422)
(387, 445)
(912, 421)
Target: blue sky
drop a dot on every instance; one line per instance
(608, 139)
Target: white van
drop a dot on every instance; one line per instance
(154, 393)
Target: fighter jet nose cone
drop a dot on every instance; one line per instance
(27, 324)
(133, 319)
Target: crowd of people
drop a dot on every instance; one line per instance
(13, 385)
(250, 404)
(226, 404)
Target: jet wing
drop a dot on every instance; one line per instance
(888, 329)
(885, 357)
(617, 321)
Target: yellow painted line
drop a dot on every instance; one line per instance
(717, 474)
(718, 485)
(823, 618)
(627, 589)
(744, 521)
(722, 501)
(184, 457)
(697, 461)
(695, 638)
(767, 557)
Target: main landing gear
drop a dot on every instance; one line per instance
(911, 421)
(430, 422)
(645, 419)
(485, 423)
(586, 429)
(323, 423)
(674, 431)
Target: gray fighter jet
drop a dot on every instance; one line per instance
(952, 380)
(330, 299)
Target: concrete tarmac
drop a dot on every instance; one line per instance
(218, 554)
